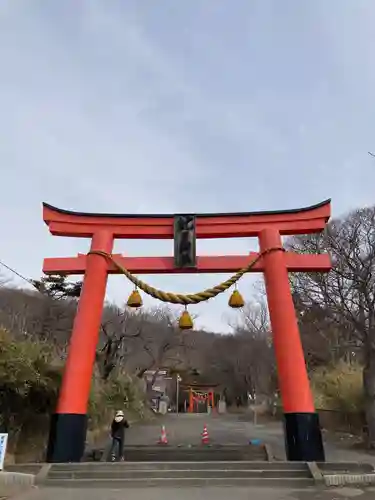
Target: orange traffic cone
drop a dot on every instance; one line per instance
(205, 436)
(163, 436)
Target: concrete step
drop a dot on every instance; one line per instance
(31, 468)
(182, 454)
(345, 467)
(180, 482)
(192, 465)
(171, 474)
(136, 474)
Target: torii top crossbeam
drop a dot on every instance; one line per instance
(236, 225)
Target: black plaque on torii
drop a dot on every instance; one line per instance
(185, 241)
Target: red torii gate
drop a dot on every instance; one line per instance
(69, 423)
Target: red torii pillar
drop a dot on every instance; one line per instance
(191, 401)
(211, 398)
(68, 424)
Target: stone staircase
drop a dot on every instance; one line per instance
(178, 474)
(188, 466)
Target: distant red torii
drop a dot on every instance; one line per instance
(68, 427)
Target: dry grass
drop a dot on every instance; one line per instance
(338, 388)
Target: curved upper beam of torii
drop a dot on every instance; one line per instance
(160, 226)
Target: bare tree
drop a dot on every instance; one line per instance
(28, 313)
(254, 317)
(165, 344)
(346, 296)
(243, 362)
(119, 329)
(4, 281)
(141, 340)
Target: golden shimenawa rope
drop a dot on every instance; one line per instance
(185, 299)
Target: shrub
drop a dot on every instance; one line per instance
(120, 392)
(28, 381)
(30, 377)
(339, 387)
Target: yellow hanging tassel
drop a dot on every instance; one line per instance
(135, 299)
(185, 322)
(236, 300)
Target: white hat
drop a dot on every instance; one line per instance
(119, 413)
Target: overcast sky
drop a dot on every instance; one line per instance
(180, 106)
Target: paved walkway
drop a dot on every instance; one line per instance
(187, 429)
(230, 429)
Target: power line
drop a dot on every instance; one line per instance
(28, 280)
(40, 286)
